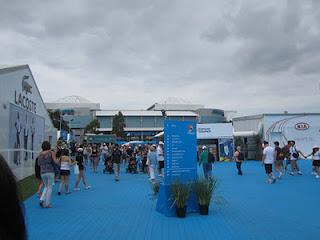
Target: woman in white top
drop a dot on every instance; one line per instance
(65, 164)
(315, 161)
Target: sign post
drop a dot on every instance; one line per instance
(180, 152)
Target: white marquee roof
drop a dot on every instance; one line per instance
(146, 113)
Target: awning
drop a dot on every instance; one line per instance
(160, 134)
(245, 134)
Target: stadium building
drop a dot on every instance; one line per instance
(77, 111)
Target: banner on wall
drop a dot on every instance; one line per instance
(26, 133)
(226, 149)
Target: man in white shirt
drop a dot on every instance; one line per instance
(160, 158)
(268, 158)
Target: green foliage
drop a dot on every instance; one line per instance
(238, 141)
(92, 126)
(155, 187)
(180, 193)
(118, 125)
(27, 187)
(204, 189)
(56, 117)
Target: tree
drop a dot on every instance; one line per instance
(118, 125)
(57, 120)
(92, 126)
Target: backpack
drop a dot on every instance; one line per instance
(295, 155)
(281, 153)
(211, 158)
(241, 156)
(117, 155)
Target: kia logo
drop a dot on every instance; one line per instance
(302, 126)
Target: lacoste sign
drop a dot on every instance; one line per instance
(22, 98)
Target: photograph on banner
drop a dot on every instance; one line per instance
(26, 133)
(226, 149)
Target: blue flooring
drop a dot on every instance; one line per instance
(243, 208)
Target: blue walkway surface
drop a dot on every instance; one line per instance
(244, 208)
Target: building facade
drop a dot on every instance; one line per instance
(24, 119)
(77, 111)
(251, 131)
(141, 124)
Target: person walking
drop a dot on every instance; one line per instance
(81, 175)
(46, 160)
(65, 165)
(152, 160)
(286, 152)
(145, 159)
(315, 160)
(38, 176)
(294, 156)
(279, 158)
(160, 159)
(95, 158)
(116, 159)
(85, 155)
(204, 160)
(238, 158)
(268, 158)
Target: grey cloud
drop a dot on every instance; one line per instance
(220, 53)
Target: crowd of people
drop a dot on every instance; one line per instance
(274, 158)
(279, 159)
(55, 164)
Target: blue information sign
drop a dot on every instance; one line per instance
(180, 144)
(180, 152)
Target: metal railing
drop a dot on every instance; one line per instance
(20, 161)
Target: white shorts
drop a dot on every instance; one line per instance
(151, 170)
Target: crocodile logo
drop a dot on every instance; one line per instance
(26, 87)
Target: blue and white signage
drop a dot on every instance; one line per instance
(180, 160)
(180, 151)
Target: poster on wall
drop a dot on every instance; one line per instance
(226, 149)
(303, 129)
(26, 134)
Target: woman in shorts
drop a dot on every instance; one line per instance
(79, 160)
(95, 158)
(278, 164)
(65, 164)
(315, 160)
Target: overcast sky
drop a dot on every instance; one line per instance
(252, 56)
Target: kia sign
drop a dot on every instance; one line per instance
(302, 126)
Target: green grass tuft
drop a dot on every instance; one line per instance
(27, 187)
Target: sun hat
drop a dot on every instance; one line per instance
(315, 146)
(204, 147)
(80, 149)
